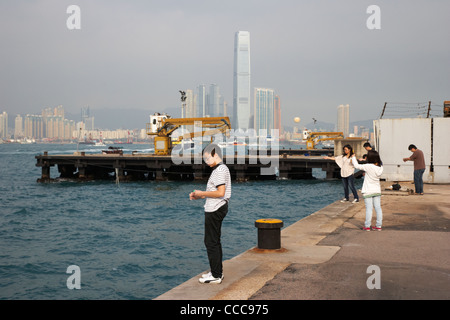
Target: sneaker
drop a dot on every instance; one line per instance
(355, 201)
(366, 229)
(208, 278)
(376, 228)
(207, 275)
(344, 200)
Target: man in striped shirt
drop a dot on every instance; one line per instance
(217, 194)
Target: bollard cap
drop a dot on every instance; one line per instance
(269, 223)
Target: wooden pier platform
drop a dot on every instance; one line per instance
(137, 166)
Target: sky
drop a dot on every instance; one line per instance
(136, 55)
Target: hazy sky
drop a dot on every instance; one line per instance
(316, 54)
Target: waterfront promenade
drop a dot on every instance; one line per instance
(327, 256)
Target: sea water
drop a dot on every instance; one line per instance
(132, 240)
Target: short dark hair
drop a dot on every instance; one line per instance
(367, 145)
(374, 157)
(411, 146)
(213, 149)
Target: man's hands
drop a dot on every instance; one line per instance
(195, 195)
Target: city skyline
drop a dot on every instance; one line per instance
(134, 56)
(51, 125)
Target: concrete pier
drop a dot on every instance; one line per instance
(129, 167)
(327, 256)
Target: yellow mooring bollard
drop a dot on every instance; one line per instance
(269, 233)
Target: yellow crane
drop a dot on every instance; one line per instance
(162, 127)
(312, 138)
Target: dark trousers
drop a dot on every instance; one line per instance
(418, 180)
(213, 227)
(349, 182)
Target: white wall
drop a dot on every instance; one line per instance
(441, 150)
(393, 136)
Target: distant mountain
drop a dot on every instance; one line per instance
(120, 118)
(112, 119)
(319, 126)
(363, 123)
(327, 126)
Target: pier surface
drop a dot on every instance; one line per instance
(327, 256)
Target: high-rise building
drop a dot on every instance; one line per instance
(50, 124)
(34, 126)
(343, 119)
(202, 101)
(263, 109)
(87, 119)
(242, 112)
(53, 127)
(214, 101)
(224, 107)
(18, 127)
(3, 125)
(277, 113)
(189, 104)
(59, 111)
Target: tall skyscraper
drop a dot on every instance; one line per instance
(214, 101)
(264, 109)
(242, 112)
(3, 125)
(343, 119)
(277, 113)
(202, 101)
(189, 111)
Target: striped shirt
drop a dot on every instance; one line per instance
(219, 176)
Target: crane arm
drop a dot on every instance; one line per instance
(170, 125)
(163, 144)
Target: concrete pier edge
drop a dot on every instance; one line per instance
(325, 255)
(249, 271)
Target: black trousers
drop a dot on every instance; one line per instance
(213, 227)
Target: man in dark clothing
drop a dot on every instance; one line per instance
(368, 148)
(419, 167)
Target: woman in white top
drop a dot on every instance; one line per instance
(371, 188)
(345, 163)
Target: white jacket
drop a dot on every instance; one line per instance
(371, 183)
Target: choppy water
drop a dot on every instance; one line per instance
(135, 240)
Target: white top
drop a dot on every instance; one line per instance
(346, 166)
(371, 183)
(219, 176)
